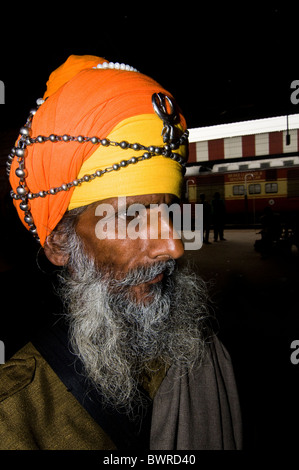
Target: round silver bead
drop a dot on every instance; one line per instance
(21, 191)
(174, 145)
(25, 131)
(124, 144)
(21, 173)
(135, 146)
(28, 219)
(176, 157)
(24, 206)
(20, 152)
(33, 230)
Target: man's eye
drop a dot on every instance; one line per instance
(124, 215)
(121, 215)
(128, 216)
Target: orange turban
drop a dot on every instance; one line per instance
(83, 100)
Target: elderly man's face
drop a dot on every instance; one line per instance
(126, 298)
(123, 255)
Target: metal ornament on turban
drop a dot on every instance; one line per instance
(101, 130)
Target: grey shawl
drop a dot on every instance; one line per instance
(198, 410)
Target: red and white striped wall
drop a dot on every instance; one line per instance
(261, 137)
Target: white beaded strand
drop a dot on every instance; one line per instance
(115, 66)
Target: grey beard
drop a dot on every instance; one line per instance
(118, 338)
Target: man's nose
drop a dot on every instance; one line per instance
(165, 241)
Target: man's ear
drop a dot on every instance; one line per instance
(53, 249)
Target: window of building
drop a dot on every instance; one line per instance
(255, 188)
(271, 188)
(238, 190)
(223, 168)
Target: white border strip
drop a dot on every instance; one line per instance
(257, 126)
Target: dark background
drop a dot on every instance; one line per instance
(223, 63)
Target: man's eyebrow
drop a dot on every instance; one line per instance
(147, 205)
(122, 207)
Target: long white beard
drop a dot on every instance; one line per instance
(117, 338)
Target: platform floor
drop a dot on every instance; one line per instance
(256, 302)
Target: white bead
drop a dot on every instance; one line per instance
(39, 101)
(105, 65)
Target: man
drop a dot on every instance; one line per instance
(218, 216)
(206, 218)
(134, 365)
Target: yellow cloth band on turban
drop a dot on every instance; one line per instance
(153, 176)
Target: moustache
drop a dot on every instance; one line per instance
(143, 274)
